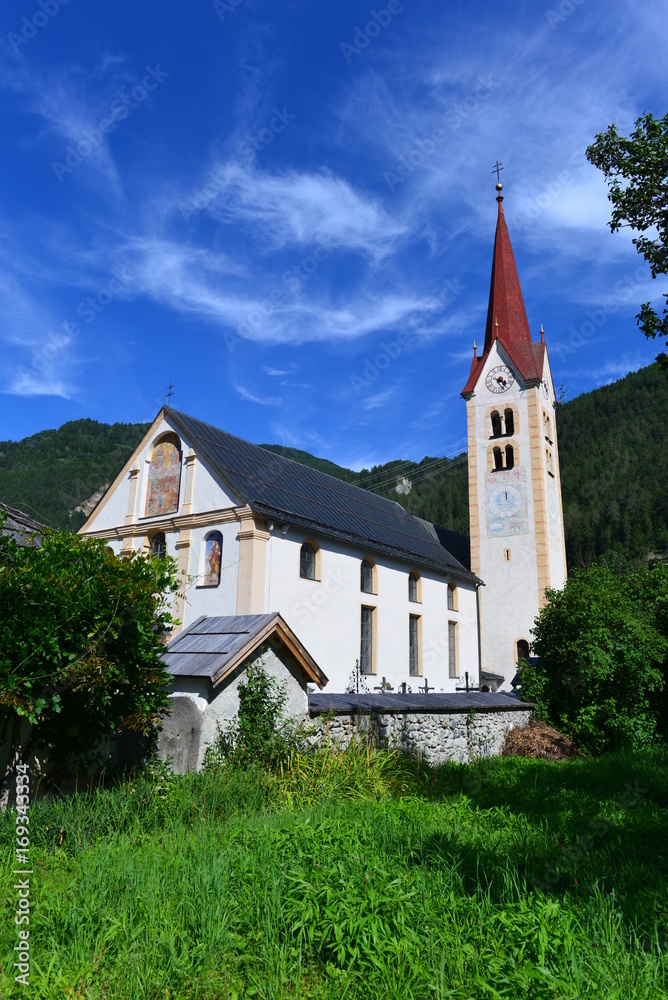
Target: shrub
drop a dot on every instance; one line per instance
(82, 636)
(602, 649)
(259, 735)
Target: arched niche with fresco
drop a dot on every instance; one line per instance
(164, 478)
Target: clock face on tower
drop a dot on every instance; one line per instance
(504, 501)
(499, 379)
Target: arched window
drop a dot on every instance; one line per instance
(413, 587)
(164, 480)
(307, 562)
(452, 597)
(510, 456)
(510, 421)
(522, 649)
(498, 459)
(366, 577)
(497, 430)
(213, 557)
(158, 545)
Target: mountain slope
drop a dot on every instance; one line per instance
(614, 471)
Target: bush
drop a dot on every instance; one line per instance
(82, 636)
(259, 736)
(602, 649)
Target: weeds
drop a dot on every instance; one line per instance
(354, 873)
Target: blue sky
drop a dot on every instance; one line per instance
(288, 209)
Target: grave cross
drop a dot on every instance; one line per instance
(383, 686)
(426, 689)
(466, 686)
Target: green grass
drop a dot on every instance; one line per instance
(352, 875)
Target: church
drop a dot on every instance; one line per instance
(375, 597)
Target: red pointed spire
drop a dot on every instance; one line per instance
(506, 315)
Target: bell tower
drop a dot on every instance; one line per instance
(515, 510)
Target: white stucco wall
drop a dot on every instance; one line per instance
(325, 614)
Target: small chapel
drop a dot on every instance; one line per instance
(358, 593)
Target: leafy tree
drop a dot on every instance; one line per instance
(80, 642)
(602, 657)
(636, 169)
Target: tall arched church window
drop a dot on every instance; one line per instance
(307, 562)
(510, 421)
(213, 557)
(497, 429)
(366, 577)
(510, 456)
(164, 480)
(452, 597)
(158, 545)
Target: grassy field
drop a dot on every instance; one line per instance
(352, 875)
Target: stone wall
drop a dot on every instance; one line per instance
(462, 736)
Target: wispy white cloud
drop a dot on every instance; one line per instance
(252, 397)
(303, 209)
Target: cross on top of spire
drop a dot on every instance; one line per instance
(496, 169)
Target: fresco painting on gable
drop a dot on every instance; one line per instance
(164, 480)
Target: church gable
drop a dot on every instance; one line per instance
(164, 478)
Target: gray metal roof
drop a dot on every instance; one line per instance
(278, 488)
(25, 530)
(457, 545)
(212, 646)
(350, 704)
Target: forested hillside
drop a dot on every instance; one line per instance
(614, 469)
(48, 474)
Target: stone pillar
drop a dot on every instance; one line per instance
(252, 567)
(187, 507)
(183, 566)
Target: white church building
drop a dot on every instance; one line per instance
(375, 595)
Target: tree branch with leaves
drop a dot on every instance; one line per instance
(636, 170)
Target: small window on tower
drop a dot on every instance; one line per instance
(506, 555)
